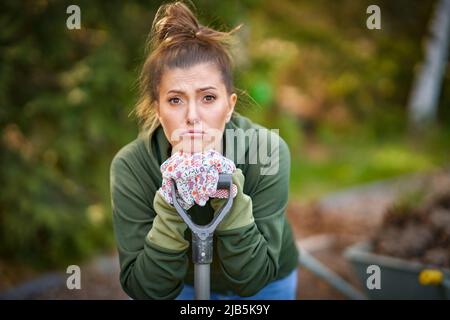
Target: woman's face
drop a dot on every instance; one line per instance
(193, 107)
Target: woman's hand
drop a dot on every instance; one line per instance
(241, 212)
(196, 176)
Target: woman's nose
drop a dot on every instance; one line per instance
(192, 114)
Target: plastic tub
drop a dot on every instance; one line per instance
(399, 279)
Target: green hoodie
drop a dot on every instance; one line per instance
(245, 259)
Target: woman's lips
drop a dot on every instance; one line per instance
(193, 133)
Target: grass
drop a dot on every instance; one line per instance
(335, 162)
(340, 157)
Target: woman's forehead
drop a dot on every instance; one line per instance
(196, 77)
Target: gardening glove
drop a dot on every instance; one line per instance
(168, 226)
(241, 212)
(196, 176)
(196, 179)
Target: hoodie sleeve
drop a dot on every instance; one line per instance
(249, 255)
(147, 270)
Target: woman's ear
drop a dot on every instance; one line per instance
(233, 99)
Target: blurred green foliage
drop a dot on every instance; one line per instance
(336, 90)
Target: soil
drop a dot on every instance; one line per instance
(417, 232)
(325, 235)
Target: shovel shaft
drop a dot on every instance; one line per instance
(202, 238)
(202, 281)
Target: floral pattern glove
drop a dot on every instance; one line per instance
(196, 176)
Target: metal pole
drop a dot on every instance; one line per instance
(202, 281)
(309, 262)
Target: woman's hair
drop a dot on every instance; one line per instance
(178, 40)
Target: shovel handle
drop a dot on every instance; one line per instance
(202, 235)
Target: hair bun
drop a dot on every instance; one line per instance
(174, 20)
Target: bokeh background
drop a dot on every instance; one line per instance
(337, 91)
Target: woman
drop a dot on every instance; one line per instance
(186, 106)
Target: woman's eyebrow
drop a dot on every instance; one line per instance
(206, 88)
(198, 90)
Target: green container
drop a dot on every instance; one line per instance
(399, 279)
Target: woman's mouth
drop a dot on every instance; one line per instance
(193, 133)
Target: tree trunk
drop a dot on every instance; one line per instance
(424, 96)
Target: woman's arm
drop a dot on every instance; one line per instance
(151, 266)
(249, 254)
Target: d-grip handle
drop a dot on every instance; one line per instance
(224, 181)
(202, 235)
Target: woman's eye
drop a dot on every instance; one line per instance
(209, 98)
(174, 100)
